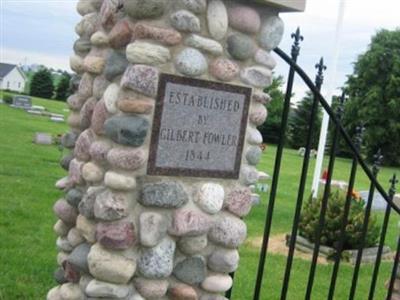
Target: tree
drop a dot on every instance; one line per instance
(62, 89)
(374, 96)
(300, 122)
(271, 128)
(42, 84)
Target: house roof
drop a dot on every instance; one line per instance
(7, 68)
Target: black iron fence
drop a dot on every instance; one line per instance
(339, 133)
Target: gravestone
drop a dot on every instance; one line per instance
(24, 102)
(163, 146)
(42, 138)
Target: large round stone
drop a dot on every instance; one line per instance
(167, 194)
(217, 18)
(78, 257)
(142, 79)
(192, 244)
(120, 35)
(157, 262)
(192, 270)
(117, 235)
(224, 69)
(98, 151)
(253, 155)
(210, 197)
(191, 62)
(115, 65)
(228, 231)
(187, 222)
(111, 206)
(65, 211)
(126, 158)
(74, 196)
(240, 46)
(142, 9)
(271, 32)
(127, 130)
(257, 76)
(184, 20)
(244, 19)
(224, 260)
(238, 201)
(146, 53)
(217, 283)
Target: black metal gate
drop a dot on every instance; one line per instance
(353, 144)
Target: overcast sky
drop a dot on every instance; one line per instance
(42, 32)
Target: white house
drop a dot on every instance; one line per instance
(12, 78)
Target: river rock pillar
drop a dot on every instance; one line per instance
(163, 146)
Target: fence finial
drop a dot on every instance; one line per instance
(320, 73)
(378, 158)
(393, 182)
(296, 44)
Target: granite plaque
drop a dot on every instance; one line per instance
(199, 128)
(22, 102)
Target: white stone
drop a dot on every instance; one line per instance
(76, 63)
(217, 18)
(153, 228)
(256, 76)
(74, 237)
(92, 172)
(184, 20)
(62, 183)
(202, 43)
(111, 97)
(108, 266)
(210, 197)
(54, 293)
(71, 291)
(60, 228)
(271, 33)
(118, 181)
(97, 288)
(265, 58)
(191, 62)
(147, 53)
(217, 283)
(86, 228)
(254, 137)
(99, 39)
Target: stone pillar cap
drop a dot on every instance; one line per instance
(286, 5)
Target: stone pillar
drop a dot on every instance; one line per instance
(141, 218)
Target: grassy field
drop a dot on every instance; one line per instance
(27, 248)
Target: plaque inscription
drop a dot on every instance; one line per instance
(198, 129)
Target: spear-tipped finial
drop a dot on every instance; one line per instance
(378, 158)
(320, 73)
(393, 181)
(296, 44)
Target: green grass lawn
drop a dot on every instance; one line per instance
(27, 248)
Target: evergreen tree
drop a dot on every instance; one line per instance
(271, 129)
(62, 89)
(42, 84)
(300, 123)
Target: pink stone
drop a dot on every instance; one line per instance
(141, 78)
(258, 114)
(224, 69)
(75, 172)
(265, 58)
(189, 223)
(86, 86)
(165, 36)
(120, 35)
(238, 201)
(65, 212)
(119, 235)
(62, 183)
(82, 145)
(99, 116)
(98, 151)
(75, 102)
(182, 292)
(127, 158)
(244, 19)
(108, 12)
(87, 112)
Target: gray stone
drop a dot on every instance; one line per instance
(192, 245)
(249, 175)
(65, 161)
(127, 130)
(254, 137)
(158, 262)
(111, 206)
(205, 44)
(168, 194)
(142, 9)
(224, 260)
(146, 53)
(86, 206)
(100, 84)
(101, 289)
(228, 231)
(256, 76)
(184, 20)
(68, 140)
(153, 228)
(271, 33)
(115, 65)
(78, 257)
(74, 196)
(240, 46)
(217, 18)
(142, 79)
(59, 276)
(191, 62)
(253, 155)
(192, 270)
(196, 6)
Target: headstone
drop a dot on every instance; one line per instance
(42, 138)
(378, 202)
(38, 108)
(57, 119)
(24, 102)
(34, 112)
(199, 128)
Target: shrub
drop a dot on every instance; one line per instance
(330, 236)
(8, 99)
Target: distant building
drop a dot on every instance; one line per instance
(12, 78)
